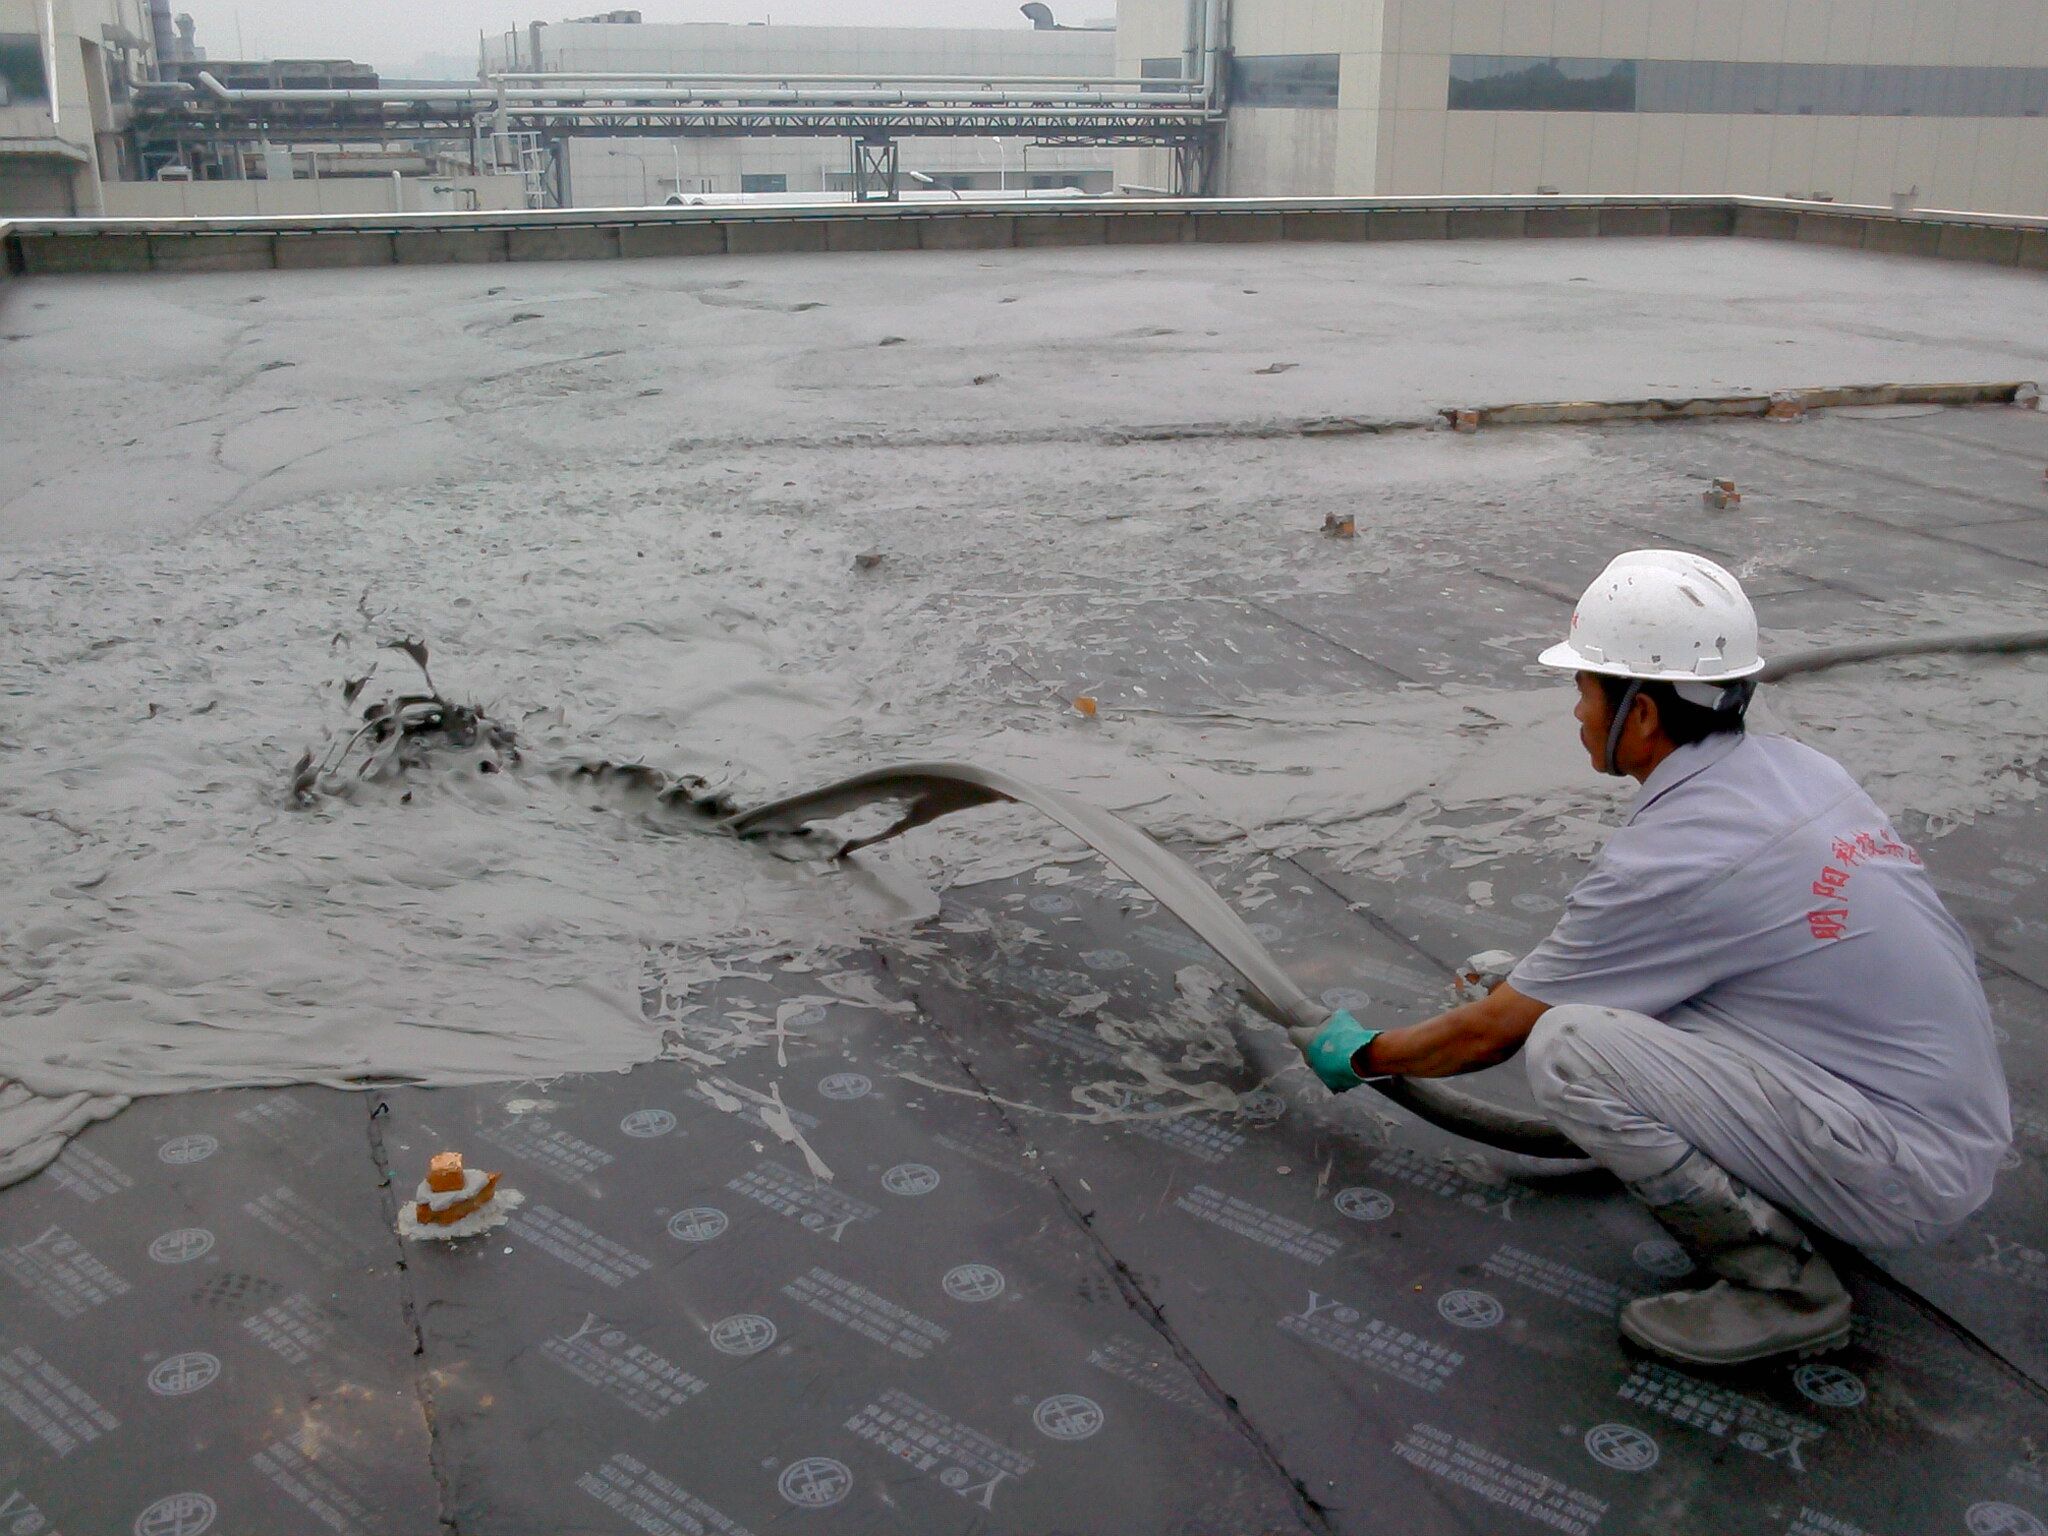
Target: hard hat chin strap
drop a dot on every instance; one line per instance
(1614, 726)
(1722, 698)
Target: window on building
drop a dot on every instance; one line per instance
(21, 70)
(1491, 83)
(1159, 69)
(762, 182)
(1283, 80)
(1722, 87)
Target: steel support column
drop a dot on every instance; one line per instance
(874, 170)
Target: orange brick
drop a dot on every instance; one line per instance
(444, 1172)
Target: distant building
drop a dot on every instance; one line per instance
(635, 171)
(1939, 103)
(64, 100)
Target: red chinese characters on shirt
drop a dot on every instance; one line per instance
(1832, 883)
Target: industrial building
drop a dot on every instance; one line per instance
(68, 75)
(608, 173)
(1929, 103)
(110, 106)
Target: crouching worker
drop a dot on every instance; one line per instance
(1755, 1010)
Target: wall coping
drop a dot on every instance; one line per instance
(1915, 231)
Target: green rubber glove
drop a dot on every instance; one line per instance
(1329, 1054)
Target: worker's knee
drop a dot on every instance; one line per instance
(1570, 1051)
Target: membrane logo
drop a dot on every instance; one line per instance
(1621, 1447)
(1829, 1385)
(177, 1514)
(1067, 1416)
(844, 1085)
(1051, 903)
(698, 1224)
(973, 1282)
(911, 1179)
(181, 1375)
(1106, 960)
(1262, 1106)
(182, 1246)
(1661, 1256)
(1469, 1309)
(1362, 1204)
(816, 1482)
(744, 1333)
(2000, 1519)
(1350, 999)
(644, 1123)
(196, 1148)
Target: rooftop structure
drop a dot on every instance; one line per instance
(615, 173)
(929, 1193)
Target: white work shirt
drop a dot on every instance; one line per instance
(1756, 885)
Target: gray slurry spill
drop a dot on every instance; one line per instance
(1072, 1268)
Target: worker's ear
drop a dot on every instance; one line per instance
(1646, 721)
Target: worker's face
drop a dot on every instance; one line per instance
(1594, 717)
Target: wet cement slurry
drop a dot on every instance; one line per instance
(1045, 1289)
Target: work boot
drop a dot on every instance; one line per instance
(1775, 1295)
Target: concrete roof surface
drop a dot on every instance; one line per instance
(931, 1194)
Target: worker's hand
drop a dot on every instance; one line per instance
(1478, 976)
(1331, 1053)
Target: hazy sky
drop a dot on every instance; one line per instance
(391, 34)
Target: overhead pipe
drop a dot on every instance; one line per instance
(826, 111)
(1189, 115)
(339, 94)
(938, 100)
(1144, 81)
(618, 100)
(1212, 50)
(715, 97)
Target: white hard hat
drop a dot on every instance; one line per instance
(1661, 615)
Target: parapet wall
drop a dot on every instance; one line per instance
(51, 246)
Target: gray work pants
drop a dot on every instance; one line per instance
(1639, 1094)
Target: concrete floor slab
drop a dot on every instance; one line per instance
(1071, 1270)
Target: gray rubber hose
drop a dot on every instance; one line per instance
(931, 790)
(2011, 643)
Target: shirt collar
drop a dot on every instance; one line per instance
(1684, 763)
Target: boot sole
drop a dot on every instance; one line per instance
(1807, 1351)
